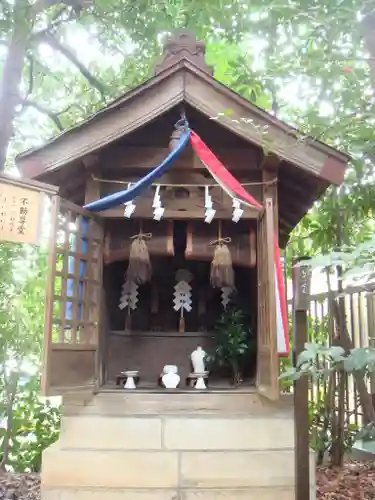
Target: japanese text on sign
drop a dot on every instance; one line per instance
(20, 209)
(301, 286)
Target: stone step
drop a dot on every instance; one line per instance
(278, 493)
(67, 468)
(196, 432)
(137, 403)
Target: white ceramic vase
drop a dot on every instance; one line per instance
(170, 379)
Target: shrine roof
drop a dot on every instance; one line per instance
(184, 77)
(144, 117)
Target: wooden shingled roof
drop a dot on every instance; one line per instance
(307, 167)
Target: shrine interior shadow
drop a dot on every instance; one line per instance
(152, 338)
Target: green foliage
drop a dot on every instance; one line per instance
(29, 424)
(356, 262)
(22, 298)
(332, 365)
(319, 426)
(233, 342)
(318, 361)
(331, 430)
(35, 426)
(317, 333)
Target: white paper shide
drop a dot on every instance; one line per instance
(129, 295)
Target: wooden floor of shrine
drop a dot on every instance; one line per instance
(214, 386)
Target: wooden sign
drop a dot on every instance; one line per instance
(20, 213)
(301, 285)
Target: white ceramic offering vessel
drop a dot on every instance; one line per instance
(170, 379)
(130, 383)
(197, 359)
(200, 383)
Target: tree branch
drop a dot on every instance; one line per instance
(53, 116)
(93, 81)
(57, 20)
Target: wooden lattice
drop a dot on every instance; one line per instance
(73, 303)
(78, 267)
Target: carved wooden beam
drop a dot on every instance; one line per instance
(90, 161)
(143, 158)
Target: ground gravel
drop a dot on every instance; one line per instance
(355, 481)
(20, 487)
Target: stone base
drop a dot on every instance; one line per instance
(172, 448)
(189, 494)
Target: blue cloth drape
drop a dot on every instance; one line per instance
(113, 200)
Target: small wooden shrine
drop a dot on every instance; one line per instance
(98, 322)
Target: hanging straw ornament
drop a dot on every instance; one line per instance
(222, 274)
(139, 268)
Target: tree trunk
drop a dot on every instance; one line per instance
(338, 434)
(338, 431)
(347, 344)
(11, 79)
(326, 420)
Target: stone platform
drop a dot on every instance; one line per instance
(207, 446)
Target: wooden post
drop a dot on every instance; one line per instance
(301, 298)
(269, 177)
(48, 309)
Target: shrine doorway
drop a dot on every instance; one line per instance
(152, 337)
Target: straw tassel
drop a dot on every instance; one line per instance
(222, 273)
(139, 268)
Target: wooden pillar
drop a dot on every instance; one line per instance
(270, 168)
(301, 298)
(92, 193)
